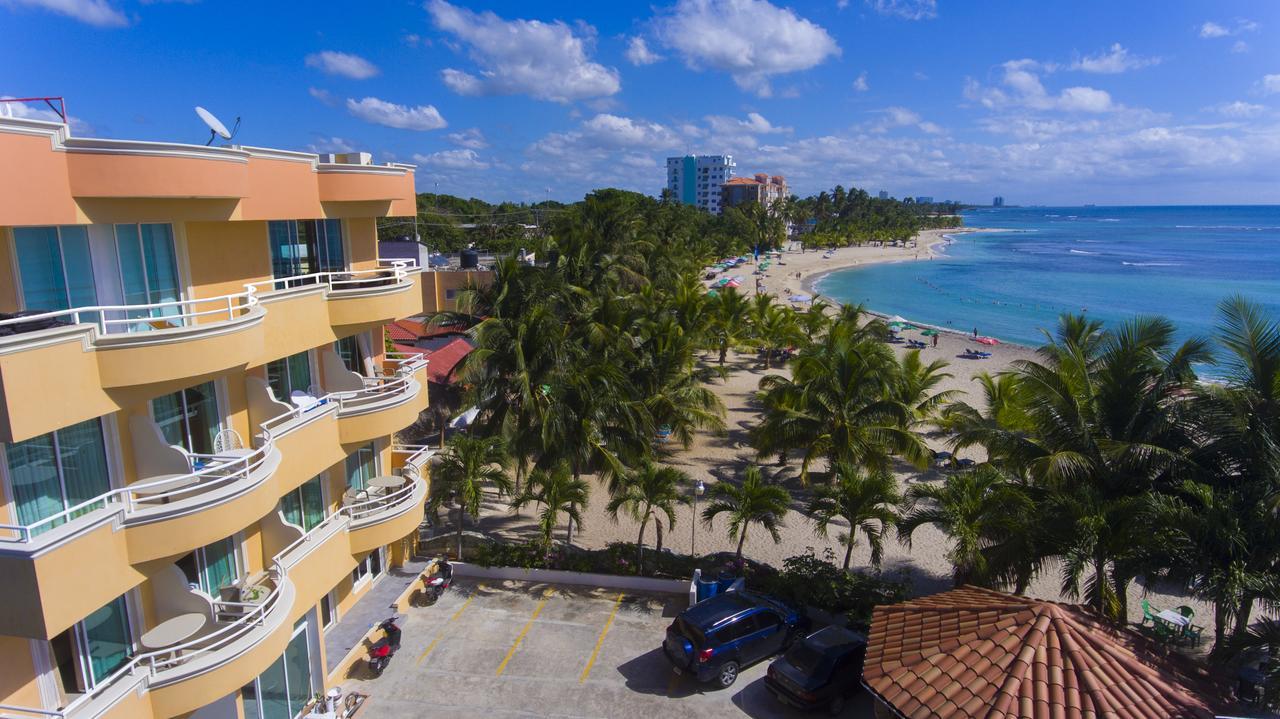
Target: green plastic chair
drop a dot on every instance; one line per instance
(1195, 633)
(1186, 611)
(1148, 617)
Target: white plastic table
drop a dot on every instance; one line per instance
(1171, 617)
(172, 631)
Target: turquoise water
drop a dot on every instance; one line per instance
(1110, 262)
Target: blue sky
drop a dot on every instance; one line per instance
(1041, 102)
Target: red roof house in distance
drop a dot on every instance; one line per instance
(975, 653)
(443, 346)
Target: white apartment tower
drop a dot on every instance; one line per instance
(697, 179)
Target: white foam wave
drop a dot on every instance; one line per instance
(1108, 219)
(1226, 227)
(1081, 252)
(1152, 264)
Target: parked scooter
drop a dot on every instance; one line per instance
(381, 652)
(433, 585)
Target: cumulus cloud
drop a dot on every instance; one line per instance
(1022, 88)
(98, 13)
(1239, 46)
(615, 131)
(463, 159)
(897, 116)
(323, 96)
(1239, 26)
(906, 9)
(1113, 61)
(638, 52)
(344, 64)
(40, 111)
(752, 40)
(331, 144)
(860, 83)
(470, 138)
(546, 61)
(403, 117)
(1238, 109)
(1269, 85)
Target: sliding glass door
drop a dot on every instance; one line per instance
(283, 690)
(304, 506)
(212, 566)
(289, 375)
(56, 471)
(55, 268)
(304, 247)
(189, 418)
(149, 271)
(106, 641)
(361, 466)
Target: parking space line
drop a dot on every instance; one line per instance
(440, 636)
(520, 637)
(600, 642)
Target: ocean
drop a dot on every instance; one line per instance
(1111, 263)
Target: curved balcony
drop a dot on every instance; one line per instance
(386, 515)
(370, 407)
(57, 368)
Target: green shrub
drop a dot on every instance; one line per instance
(807, 580)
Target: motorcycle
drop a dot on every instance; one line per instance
(381, 652)
(433, 586)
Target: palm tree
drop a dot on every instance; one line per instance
(468, 467)
(753, 502)
(867, 502)
(555, 491)
(977, 510)
(774, 327)
(729, 325)
(644, 493)
(838, 405)
(916, 384)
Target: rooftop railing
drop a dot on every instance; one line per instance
(121, 319)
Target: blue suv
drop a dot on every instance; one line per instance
(715, 638)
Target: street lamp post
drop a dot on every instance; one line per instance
(698, 489)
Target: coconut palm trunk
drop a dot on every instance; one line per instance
(640, 543)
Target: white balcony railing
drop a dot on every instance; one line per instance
(122, 319)
(364, 510)
(214, 473)
(389, 273)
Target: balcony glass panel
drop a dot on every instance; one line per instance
(56, 471)
(189, 418)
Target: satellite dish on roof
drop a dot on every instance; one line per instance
(216, 128)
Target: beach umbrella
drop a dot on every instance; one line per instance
(712, 293)
(897, 320)
(987, 341)
(895, 326)
(929, 333)
(910, 327)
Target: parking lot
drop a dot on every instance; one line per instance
(511, 649)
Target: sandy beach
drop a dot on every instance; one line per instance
(716, 458)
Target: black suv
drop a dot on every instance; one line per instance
(821, 670)
(716, 637)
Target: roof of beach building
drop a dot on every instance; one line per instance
(741, 181)
(442, 362)
(974, 652)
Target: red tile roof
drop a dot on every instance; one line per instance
(975, 653)
(404, 330)
(741, 181)
(442, 362)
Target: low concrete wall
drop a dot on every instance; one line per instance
(556, 576)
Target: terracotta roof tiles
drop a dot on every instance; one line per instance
(975, 653)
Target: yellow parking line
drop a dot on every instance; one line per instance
(520, 637)
(440, 636)
(600, 642)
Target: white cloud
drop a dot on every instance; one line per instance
(546, 61)
(1240, 26)
(897, 116)
(99, 13)
(40, 111)
(1269, 85)
(344, 64)
(752, 40)
(323, 96)
(1113, 61)
(1239, 46)
(1238, 109)
(381, 112)
(906, 9)
(860, 83)
(463, 159)
(1023, 88)
(615, 131)
(638, 52)
(470, 138)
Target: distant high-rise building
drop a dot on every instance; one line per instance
(761, 188)
(997, 201)
(924, 200)
(884, 195)
(697, 179)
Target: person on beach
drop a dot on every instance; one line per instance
(975, 333)
(935, 341)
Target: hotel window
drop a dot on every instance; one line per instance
(289, 375)
(189, 418)
(285, 688)
(369, 568)
(57, 471)
(212, 567)
(55, 268)
(148, 269)
(328, 610)
(93, 648)
(303, 247)
(361, 466)
(304, 506)
(348, 350)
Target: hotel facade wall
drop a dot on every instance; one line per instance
(124, 560)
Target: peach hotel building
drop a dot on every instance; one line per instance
(198, 472)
